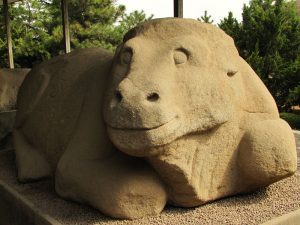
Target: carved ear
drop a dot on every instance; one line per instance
(131, 33)
(231, 73)
(118, 49)
(117, 52)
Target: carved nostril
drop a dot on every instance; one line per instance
(153, 97)
(118, 96)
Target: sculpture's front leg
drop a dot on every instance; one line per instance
(267, 153)
(118, 186)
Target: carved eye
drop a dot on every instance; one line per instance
(126, 56)
(180, 56)
(231, 73)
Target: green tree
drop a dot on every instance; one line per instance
(231, 26)
(28, 19)
(206, 18)
(269, 39)
(91, 22)
(128, 21)
(3, 48)
(37, 30)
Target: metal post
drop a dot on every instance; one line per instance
(65, 22)
(8, 34)
(178, 8)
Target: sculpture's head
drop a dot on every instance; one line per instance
(170, 78)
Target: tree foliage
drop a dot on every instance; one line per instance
(269, 39)
(28, 33)
(231, 26)
(206, 18)
(37, 28)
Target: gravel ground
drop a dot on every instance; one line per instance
(261, 206)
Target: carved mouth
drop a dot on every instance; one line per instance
(136, 140)
(142, 128)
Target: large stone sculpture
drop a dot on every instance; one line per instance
(175, 116)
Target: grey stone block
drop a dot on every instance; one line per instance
(7, 119)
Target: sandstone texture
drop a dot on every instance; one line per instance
(176, 115)
(10, 81)
(60, 132)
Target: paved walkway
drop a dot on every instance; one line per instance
(297, 136)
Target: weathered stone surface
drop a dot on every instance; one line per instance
(10, 81)
(194, 118)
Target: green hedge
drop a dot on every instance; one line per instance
(292, 119)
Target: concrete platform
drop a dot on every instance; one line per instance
(37, 204)
(292, 218)
(297, 138)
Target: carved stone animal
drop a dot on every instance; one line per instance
(193, 119)
(10, 81)
(196, 111)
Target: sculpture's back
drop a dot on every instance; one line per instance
(49, 105)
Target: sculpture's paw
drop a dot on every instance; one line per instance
(30, 162)
(268, 153)
(120, 187)
(137, 197)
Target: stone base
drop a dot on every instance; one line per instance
(37, 204)
(17, 210)
(292, 218)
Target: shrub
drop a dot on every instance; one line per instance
(292, 119)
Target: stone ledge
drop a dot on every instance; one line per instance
(7, 119)
(37, 204)
(17, 210)
(292, 218)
